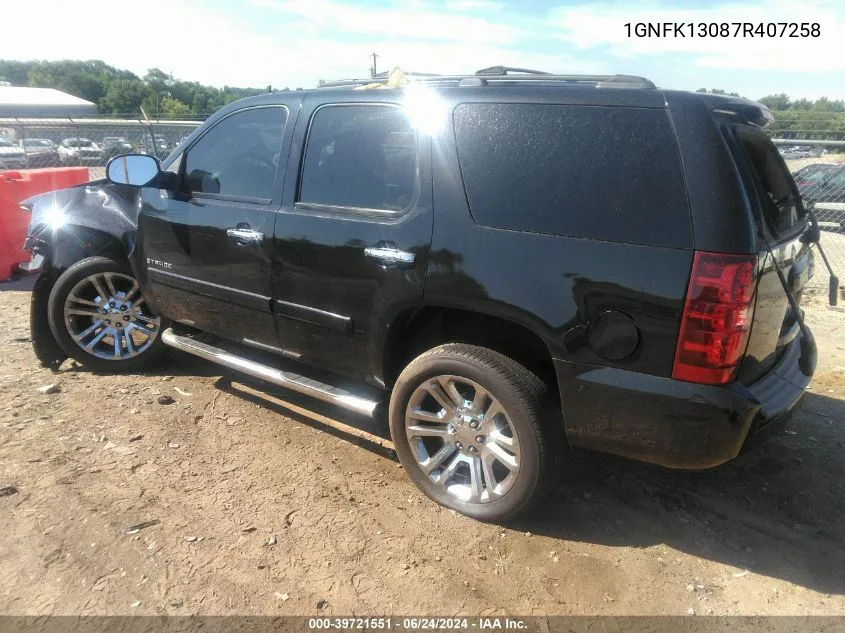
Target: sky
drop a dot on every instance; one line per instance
(294, 43)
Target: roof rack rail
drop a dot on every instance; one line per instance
(504, 70)
(601, 81)
(496, 74)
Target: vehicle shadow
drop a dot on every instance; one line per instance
(371, 434)
(776, 511)
(18, 283)
(175, 364)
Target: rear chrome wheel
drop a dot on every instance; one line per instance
(470, 426)
(462, 438)
(107, 317)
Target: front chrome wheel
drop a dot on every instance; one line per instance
(462, 439)
(107, 317)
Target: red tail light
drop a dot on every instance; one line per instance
(717, 318)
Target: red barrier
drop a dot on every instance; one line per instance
(17, 186)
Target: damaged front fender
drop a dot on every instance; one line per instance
(98, 218)
(68, 225)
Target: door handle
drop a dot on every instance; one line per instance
(389, 255)
(245, 235)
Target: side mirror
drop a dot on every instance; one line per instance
(133, 169)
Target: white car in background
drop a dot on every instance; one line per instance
(11, 156)
(80, 151)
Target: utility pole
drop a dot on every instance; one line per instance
(373, 69)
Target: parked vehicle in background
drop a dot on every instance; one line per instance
(80, 151)
(822, 186)
(802, 151)
(505, 264)
(11, 156)
(115, 146)
(40, 152)
(154, 146)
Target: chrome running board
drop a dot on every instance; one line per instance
(289, 380)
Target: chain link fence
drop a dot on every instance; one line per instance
(90, 142)
(819, 171)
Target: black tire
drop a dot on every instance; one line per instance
(522, 394)
(58, 326)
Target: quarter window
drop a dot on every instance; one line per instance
(238, 157)
(360, 156)
(610, 173)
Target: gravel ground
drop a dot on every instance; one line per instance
(254, 509)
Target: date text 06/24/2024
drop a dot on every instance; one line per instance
(723, 29)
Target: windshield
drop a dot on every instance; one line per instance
(5, 143)
(37, 142)
(79, 142)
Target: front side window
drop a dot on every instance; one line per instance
(238, 156)
(360, 156)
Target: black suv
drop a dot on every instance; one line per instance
(508, 265)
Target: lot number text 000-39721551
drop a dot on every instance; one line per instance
(722, 29)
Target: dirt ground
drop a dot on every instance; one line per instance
(262, 511)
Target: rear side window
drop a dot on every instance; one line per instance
(607, 173)
(780, 205)
(360, 157)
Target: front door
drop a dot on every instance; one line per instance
(207, 247)
(352, 240)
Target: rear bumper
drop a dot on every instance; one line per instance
(779, 393)
(673, 423)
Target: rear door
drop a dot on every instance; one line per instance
(353, 234)
(780, 216)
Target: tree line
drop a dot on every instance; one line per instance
(822, 119)
(121, 92)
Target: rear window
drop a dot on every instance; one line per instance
(599, 172)
(780, 204)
